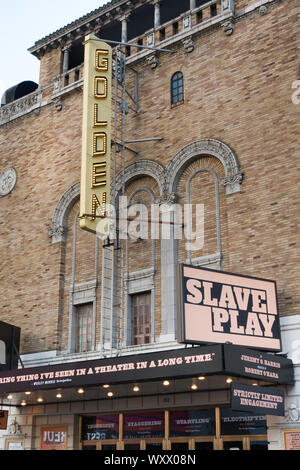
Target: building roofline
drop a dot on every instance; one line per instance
(58, 34)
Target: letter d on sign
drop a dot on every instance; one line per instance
(2, 352)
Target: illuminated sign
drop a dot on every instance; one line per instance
(243, 362)
(96, 133)
(185, 362)
(218, 307)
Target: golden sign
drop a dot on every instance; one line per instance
(96, 133)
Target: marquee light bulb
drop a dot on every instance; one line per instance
(110, 394)
(136, 389)
(166, 383)
(229, 380)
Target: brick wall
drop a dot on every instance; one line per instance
(237, 90)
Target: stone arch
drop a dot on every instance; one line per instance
(58, 230)
(142, 168)
(208, 147)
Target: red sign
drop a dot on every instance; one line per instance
(291, 439)
(3, 419)
(54, 437)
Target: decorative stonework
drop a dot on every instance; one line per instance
(227, 5)
(57, 233)
(58, 230)
(20, 107)
(8, 180)
(167, 178)
(263, 10)
(14, 428)
(139, 169)
(188, 44)
(152, 60)
(58, 104)
(151, 40)
(166, 199)
(187, 22)
(292, 414)
(233, 182)
(228, 27)
(206, 147)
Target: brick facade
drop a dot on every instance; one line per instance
(237, 93)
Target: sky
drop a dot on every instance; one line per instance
(23, 22)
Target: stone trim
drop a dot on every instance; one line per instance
(167, 177)
(206, 147)
(209, 261)
(84, 292)
(140, 281)
(58, 229)
(142, 168)
(22, 106)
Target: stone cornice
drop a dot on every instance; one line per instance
(84, 25)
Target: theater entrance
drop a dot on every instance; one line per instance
(176, 430)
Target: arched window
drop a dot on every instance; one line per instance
(177, 88)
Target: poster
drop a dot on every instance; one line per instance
(3, 419)
(100, 428)
(54, 437)
(14, 444)
(291, 439)
(192, 423)
(144, 425)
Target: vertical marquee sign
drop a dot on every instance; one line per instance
(96, 132)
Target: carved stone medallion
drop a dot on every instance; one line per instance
(8, 181)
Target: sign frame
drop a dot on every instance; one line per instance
(289, 431)
(213, 337)
(53, 428)
(11, 443)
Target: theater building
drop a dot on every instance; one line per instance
(197, 149)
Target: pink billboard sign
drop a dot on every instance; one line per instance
(219, 307)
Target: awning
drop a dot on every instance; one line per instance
(179, 363)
